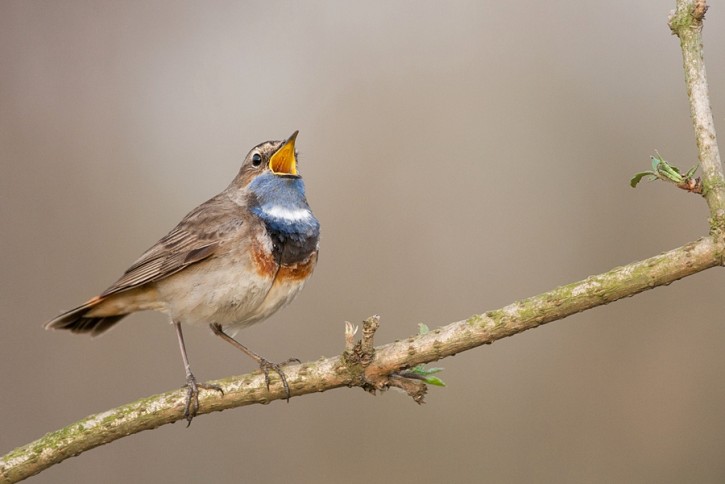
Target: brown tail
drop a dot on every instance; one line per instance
(76, 320)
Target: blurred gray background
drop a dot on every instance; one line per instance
(459, 156)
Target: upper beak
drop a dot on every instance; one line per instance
(283, 161)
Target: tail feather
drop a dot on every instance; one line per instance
(77, 321)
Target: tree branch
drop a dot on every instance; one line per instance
(365, 366)
(372, 368)
(686, 22)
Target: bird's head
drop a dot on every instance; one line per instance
(272, 159)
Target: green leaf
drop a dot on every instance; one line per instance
(426, 375)
(423, 328)
(434, 380)
(664, 171)
(422, 370)
(638, 177)
(691, 171)
(669, 172)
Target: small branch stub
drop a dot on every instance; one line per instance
(362, 353)
(415, 388)
(358, 356)
(688, 14)
(367, 346)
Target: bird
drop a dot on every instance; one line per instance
(231, 262)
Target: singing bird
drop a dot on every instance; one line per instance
(231, 262)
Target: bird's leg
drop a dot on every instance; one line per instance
(192, 387)
(264, 364)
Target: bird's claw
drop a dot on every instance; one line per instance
(191, 407)
(266, 366)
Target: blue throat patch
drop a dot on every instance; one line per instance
(282, 205)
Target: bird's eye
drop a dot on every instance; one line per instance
(256, 159)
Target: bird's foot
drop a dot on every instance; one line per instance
(266, 366)
(263, 363)
(192, 396)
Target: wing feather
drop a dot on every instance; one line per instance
(198, 236)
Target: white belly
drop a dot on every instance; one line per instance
(234, 295)
(227, 294)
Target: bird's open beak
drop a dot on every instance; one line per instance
(283, 161)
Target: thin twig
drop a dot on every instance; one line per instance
(686, 22)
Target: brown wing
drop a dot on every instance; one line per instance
(198, 236)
